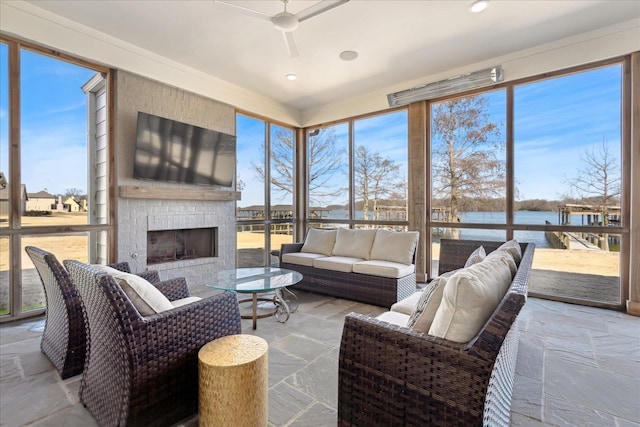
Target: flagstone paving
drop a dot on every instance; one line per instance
(577, 366)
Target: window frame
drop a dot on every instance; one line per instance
(15, 230)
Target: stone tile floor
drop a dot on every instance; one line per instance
(577, 366)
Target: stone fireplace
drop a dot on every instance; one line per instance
(149, 206)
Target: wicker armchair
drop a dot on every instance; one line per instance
(64, 336)
(393, 376)
(144, 370)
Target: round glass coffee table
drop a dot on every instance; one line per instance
(259, 280)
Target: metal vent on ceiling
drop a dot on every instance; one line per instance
(457, 84)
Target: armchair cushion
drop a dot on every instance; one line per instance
(354, 243)
(469, 297)
(145, 297)
(395, 246)
(319, 241)
(184, 301)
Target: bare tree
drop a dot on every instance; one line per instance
(324, 161)
(465, 144)
(375, 178)
(598, 180)
(76, 193)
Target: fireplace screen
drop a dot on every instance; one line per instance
(177, 245)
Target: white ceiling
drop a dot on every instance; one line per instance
(397, 41)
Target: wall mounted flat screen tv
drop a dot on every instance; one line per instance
(171, 151)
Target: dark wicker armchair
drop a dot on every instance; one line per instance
(394, 376)
(64, 336)
(144, 370)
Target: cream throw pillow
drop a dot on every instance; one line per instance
(427, 306)
(469, 298)
(513, 247)
(319, 241)
(476, 256)
(395, 246)
(504, 255)
(354, 243)
(145, 297)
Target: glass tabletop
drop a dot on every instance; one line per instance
(257, 279)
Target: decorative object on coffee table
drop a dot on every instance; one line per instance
(233, 382)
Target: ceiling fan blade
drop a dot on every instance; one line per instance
(243, 10)
(318, 8)
(290, 42)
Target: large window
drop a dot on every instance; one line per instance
(554, 180)
(54, 168)
(266, 171)
(357, 173)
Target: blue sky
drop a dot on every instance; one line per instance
(555, 121)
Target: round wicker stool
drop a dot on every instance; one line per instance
(233, 382)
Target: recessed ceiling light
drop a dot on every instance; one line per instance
(478, 6)
(291, 76)
(348, 55)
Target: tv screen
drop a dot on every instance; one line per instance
(167, 150)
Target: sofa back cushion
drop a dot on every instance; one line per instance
(354, 243)
(319, 241)
(470, 297)
(395, 246)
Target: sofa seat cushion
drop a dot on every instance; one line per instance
(336, 263)
(354, 243)
(145, 297)
(379, 268)
(394, 317)
(407, 305)
(395, 246)
(301, 258)
(319, 241)
(469, 298)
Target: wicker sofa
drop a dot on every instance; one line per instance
(391, 375)
(373, 266)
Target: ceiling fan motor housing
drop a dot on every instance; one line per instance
(285, 21)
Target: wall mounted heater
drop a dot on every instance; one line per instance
(474, 80)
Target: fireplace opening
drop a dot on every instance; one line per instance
(178, 245)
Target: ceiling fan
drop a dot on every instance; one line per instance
(285, 21)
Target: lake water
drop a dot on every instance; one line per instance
(520, 217)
